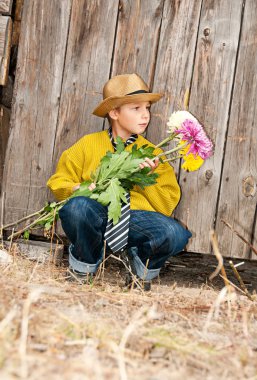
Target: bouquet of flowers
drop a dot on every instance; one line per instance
(118, 172)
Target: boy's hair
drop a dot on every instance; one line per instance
(109, 120)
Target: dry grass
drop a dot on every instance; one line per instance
(51, 328)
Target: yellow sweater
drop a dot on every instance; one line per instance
(81, 159)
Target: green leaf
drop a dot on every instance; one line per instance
(48, 226)
(129, 166)
(112, 197)
(141, 178)
(143, 152)
(26, 235)
(114, 165)
(120, 147)
(47, 207)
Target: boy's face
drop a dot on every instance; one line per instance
(130, 118)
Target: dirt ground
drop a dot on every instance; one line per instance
(186, 327)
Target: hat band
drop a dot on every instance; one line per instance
(138, 92)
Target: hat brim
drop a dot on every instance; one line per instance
(114, 101)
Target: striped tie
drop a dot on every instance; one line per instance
(116, 235)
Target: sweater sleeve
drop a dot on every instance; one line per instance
(68, 174)
(165, 194)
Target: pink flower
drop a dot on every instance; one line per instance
(199, 143)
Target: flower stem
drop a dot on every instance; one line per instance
(172, 158)
(178, 147)
(170, 137)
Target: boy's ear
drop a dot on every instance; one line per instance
(113, 114)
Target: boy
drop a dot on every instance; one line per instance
(153, 235)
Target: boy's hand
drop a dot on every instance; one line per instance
(150, 164)
(91, 187)
(75, 188)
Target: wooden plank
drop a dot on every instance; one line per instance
(174, 62)
(6, 7)
(137, 38)
(238, 193)
(212, 83)
(35, 110)
(87, 68)
(4, 133)
(5, 47)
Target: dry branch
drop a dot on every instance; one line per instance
(240, 236)
(241, 282)
(219, 257)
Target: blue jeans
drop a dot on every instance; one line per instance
(153, 237)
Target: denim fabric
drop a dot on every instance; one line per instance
(153, 237)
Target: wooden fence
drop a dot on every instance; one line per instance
(68, 49)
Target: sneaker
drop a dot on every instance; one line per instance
(82, 278)
(131, 278)
(136, 282)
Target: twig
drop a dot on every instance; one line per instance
(102, 268)
(135, 280)
(139, 319)
(240, 236)
(146, 269)
(2, 218)
(219, 257)
(75, 278)
(8, 318)
(22, 219)
(29, 225)
(215, 308)
(241, 282)
(33, 296)
(232, 284)
(31, 215)
(10, 247)
(52, 235)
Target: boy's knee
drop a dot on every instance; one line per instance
(73, 207)
(178, 237)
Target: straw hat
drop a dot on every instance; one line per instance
(123, 89)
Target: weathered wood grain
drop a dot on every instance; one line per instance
(5, 47)
(87, 68)
(238, 194)
(210, 101)
(6, 7)
(174, 62)
(137, 38)
(35, 110)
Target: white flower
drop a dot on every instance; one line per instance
(177, 118)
